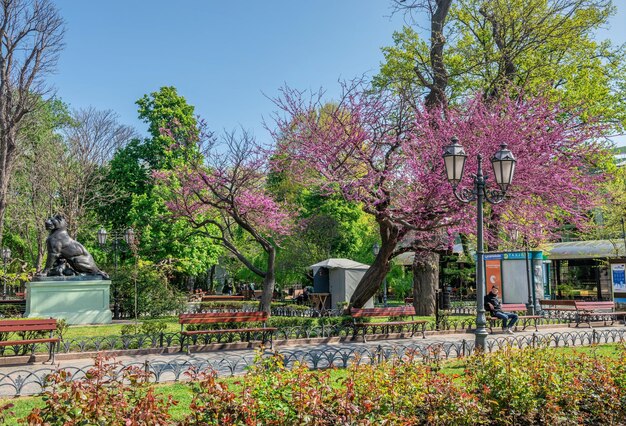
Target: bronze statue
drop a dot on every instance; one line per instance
(66, 256)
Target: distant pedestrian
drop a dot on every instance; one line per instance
(493, 305)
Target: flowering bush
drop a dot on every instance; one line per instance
(543, 386)
(104, 397)
(510, 387)
(393, 392)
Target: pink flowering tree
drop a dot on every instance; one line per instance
(222, 195)
(385, 153)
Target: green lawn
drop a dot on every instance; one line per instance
(83, 332)
(182, 393)
(79, 331)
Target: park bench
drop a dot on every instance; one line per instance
(515, 307)
(557, 306)
(219, 319)
(588, 311)
(396, 311)
(29, 330)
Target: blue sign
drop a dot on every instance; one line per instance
(513, 255)
(619, 277)
(493, 256)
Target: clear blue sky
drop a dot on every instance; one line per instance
(222, 56)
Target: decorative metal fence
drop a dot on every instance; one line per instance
(22, 381)
(284, 333)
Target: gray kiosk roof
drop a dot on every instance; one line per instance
(584, 249)
(338, 264)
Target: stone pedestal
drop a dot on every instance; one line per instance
(78, 301)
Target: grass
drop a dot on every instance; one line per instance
(182, 392)
(85, 332)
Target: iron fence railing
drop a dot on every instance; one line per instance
(23, 382)
(171, 340)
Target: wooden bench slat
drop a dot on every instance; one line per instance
(28, 321)
(396, 311)
(233, 330)
(585, 311)
(20, 325)
(383, 312)
(224, 318)
(217, 317)
(8, 329)
(30, 341)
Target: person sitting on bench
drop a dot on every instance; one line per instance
(493, 305)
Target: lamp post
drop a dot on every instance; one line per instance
(129, 237)
(376, 250)
(624, 237)
(6, 256)
(530, 305)
(503, 163)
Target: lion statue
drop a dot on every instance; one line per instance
(66, 256)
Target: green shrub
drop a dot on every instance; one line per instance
(10, 310)
(62, 327)
(542, 386)
(153, 327)
(291, 322)
(330, 321)
(155, 296)
(144, 327)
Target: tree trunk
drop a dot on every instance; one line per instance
(374, 276)
(437, 95)
(211, 283)
(268, 282)
(425, 281)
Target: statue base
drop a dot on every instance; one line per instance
(77, 300)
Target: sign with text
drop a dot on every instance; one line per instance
(618, 275)
(493, 274)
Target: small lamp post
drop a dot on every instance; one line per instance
(6, 257)
(376, 250)
(129, 237)
(503, 163)
(530, 305)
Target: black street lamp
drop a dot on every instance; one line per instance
(376, 250)
(6, 256)
(503, 163)
(530, 305)
(116, 237)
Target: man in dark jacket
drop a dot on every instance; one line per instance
(493, 306)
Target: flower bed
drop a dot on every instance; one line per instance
(531, 386)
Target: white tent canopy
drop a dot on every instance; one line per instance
(594, 249)
(338, 264)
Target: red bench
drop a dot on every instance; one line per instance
(30, 325)
(245, 333)
(396, 311)
(513, 308)
(588, 311)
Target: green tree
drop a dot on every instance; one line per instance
(523, 46)
(35, 188)
(140, 202)
(506, 48)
